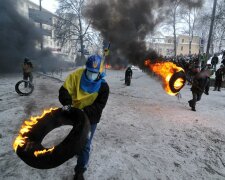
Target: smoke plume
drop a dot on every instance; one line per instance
(125, 23)
(19, 38)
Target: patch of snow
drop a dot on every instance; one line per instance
(143, 133)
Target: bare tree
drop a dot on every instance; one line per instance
(202, 24)
(220, 24)
(218, 34)
(211, 27)
(71, 26)
(189, 16)
(174, 18)
(174, 5)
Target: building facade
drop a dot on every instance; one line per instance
(42, 19)
(45, 20)
(183, 45)
(164, 45)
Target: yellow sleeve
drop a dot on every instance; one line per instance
(70, 84)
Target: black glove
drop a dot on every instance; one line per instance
(64, 97)
(206, 92)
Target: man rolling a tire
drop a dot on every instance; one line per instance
(87, 90)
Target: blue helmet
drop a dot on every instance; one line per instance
(94, 63)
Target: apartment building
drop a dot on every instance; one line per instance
(164, 45)
(183, 45)
(32, 12)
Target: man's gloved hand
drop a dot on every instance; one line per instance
(66, 108)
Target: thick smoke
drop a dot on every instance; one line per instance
(19, 38)
(125, 23)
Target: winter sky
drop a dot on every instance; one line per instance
(50, 5)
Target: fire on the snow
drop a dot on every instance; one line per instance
(22, 139)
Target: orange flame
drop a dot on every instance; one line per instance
(27, 127)
(37, 153)
(165, 70)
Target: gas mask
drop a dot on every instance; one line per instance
(92, 76)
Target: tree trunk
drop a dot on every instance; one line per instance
(81, 41)
(190, 39)
(211, 28)
(174, 33)
(212, 45)
(40, 8)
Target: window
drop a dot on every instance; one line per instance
(182, 40)
(181, 48)
(169, 41)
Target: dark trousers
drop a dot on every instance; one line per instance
(27, 77)
(196, 97)
(127, 80)
(83, 158)
(218, 83)
(214, 67)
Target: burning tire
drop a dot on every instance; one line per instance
(177, 77)
(35, 155)
(24, 88)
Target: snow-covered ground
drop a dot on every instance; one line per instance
(144, 134)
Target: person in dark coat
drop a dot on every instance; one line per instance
(27, 70)
(219, 78)
(128, 75)
(87, 90)
(223, 61)
(200, 84)
(214, 61)
(223, 56)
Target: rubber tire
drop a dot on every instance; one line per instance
(70, 146)
(175, 76)
(29, 84)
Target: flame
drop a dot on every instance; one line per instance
(37, 153)
(178, 83)
(21, 139)
(165, 70)
(108, 66)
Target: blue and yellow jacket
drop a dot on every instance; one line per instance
(92, 98)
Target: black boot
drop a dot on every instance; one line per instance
(193, 108)
(78, 176)
(79, 173)
(190, 103)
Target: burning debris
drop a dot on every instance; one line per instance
(28, 147)
(22, 138)
(127, 23)
(173, 77)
